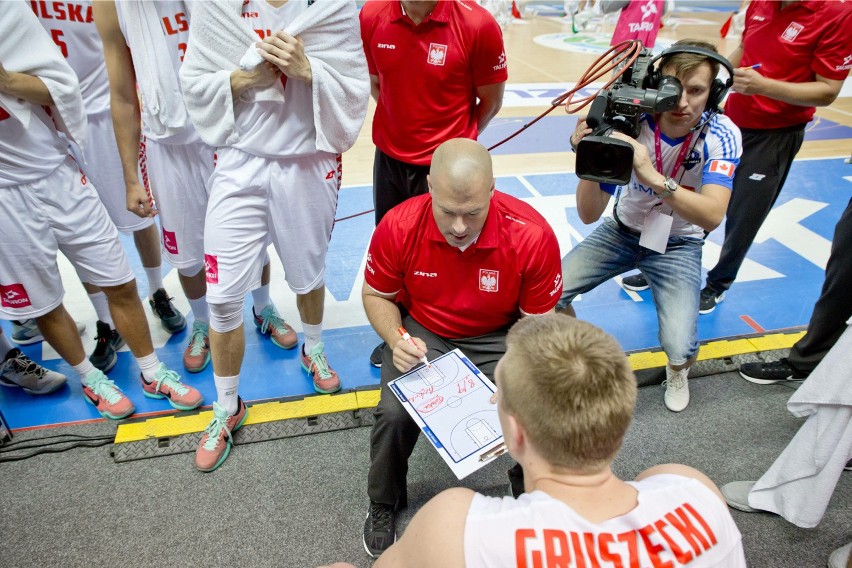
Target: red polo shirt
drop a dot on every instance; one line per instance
(795, 44)
(428, 74)
(513, 266)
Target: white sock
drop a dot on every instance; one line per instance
(99, 301)
(313, 335)
(5, 345)
(261, 298)
(155, 278)
(226, 388)
(199, 308)
(84, 369)
(149, 364)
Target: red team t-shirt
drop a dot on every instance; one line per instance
(513, 266)
(428, 73)
(795, 44)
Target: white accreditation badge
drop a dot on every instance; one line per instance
(656, 230)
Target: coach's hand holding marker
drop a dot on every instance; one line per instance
(406, 337)
(747, 81)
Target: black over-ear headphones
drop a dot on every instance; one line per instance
(717, 89)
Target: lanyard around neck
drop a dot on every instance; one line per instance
(659, 154)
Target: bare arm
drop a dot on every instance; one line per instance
(374, 87)
(490, 103)
(705, 209)
(124, 104)
(441, 520)
(23, 86)
(821, 92)
(386, 319)
(684, 471)
(736, 56)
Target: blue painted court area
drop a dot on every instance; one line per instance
(776, 290)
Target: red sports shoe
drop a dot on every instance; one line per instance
(325, 378)
(216, 442)
(271, 324)
(107, 398)
(167, 385)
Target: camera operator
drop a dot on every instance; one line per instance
(683, 168)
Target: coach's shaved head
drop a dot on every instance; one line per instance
(461, 181)
(462, 165)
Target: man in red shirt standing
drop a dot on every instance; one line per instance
(437, 71)
(465, 262)
(794, 56)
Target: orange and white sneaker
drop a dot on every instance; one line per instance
(325, 378)
(271, 324)
(167, 384)
(106, 397)
(216, 441)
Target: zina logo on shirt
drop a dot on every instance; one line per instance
(14, 296)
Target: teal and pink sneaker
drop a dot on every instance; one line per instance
(216, 441)
(167, 385)
(325, 378)
(106, 397)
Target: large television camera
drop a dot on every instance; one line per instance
(602, 158)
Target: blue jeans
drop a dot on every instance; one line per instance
(674, 278)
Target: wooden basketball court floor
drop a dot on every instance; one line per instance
(776, 291)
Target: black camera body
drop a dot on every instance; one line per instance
(604, 159)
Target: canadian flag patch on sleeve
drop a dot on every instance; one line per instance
(722, 167)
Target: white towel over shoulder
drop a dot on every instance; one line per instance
(218, 39)
(26, 48)
(159, 89)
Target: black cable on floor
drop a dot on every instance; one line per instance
(45, 450)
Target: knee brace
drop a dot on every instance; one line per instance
(190, 271)
(227, 316)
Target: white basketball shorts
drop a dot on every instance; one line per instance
(61, 212)
(177, 176)
(289, 202)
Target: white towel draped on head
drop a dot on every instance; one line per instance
(159, 88)
(25, 47)
(218, 39)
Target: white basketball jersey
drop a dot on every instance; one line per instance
(174, 23)
(29, 154)
(72, 28)
(274, 129)
(677, 522)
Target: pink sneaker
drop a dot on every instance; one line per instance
(196, 357)
(167, 385)
(107, 398)
(325, 378)
(216, 442)
(271, 324)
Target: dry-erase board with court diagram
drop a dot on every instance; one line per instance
(451, 402)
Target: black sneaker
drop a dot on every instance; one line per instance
(708, 300)
(376, 355)
(172, 320)
(107, 342)
(379, 528)
(769, 373)
(635, 282)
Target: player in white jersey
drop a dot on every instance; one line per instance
(72, 28)
(272, 183)
(683, 170)
(48, 205)
(144, 43)
(565, 398)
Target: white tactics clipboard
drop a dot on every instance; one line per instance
(451, 403)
